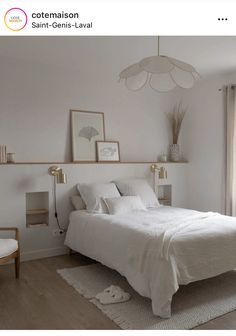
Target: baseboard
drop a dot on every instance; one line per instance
(25, 256)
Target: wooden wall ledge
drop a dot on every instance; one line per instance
(91, 162)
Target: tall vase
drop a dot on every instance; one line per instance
(174, 152)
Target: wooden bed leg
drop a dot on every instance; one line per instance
(70, 251)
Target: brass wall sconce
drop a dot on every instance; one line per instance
(162, 172)
(58, 174)
(59, 177)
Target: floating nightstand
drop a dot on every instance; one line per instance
(37, 205)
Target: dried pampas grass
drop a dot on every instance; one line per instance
(175, 118)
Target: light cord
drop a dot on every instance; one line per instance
(55, 203)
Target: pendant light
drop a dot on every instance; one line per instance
(163, 73)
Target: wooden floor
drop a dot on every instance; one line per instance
(41, 299)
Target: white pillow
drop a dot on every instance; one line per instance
(92, 195)
(138, 187)
(78, 202)
(124, 204)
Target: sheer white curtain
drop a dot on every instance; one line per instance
(230, 199)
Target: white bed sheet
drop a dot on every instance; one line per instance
(159, 249)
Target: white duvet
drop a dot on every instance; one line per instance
(159, 249)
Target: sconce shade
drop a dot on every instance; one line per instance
(61, 178)
(57, 172)
(162, 171)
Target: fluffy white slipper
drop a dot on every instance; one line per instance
(112, 294)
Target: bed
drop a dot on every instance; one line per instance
(157, 250)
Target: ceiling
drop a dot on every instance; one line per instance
(209, 55)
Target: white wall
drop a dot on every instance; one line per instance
(36, 99)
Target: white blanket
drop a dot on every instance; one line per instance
(157, 250)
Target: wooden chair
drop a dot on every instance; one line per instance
(10, 246)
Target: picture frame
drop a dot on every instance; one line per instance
(108, 151)
(87, 127)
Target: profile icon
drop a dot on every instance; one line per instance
(15, 19)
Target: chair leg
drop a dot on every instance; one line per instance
(17, 266)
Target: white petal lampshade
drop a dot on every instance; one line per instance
(196, 75)
(156, 64)
(164, 74)
(182, 65)
(182, 78)
(137, 82)
(162, 82)
(130, 71)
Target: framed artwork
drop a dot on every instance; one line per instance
(86, 128)
(108, 151)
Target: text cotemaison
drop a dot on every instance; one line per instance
(59, 15)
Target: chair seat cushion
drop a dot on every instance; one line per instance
(7, 247)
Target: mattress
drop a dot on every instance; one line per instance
(157, 250)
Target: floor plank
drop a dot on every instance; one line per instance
(41, 299)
